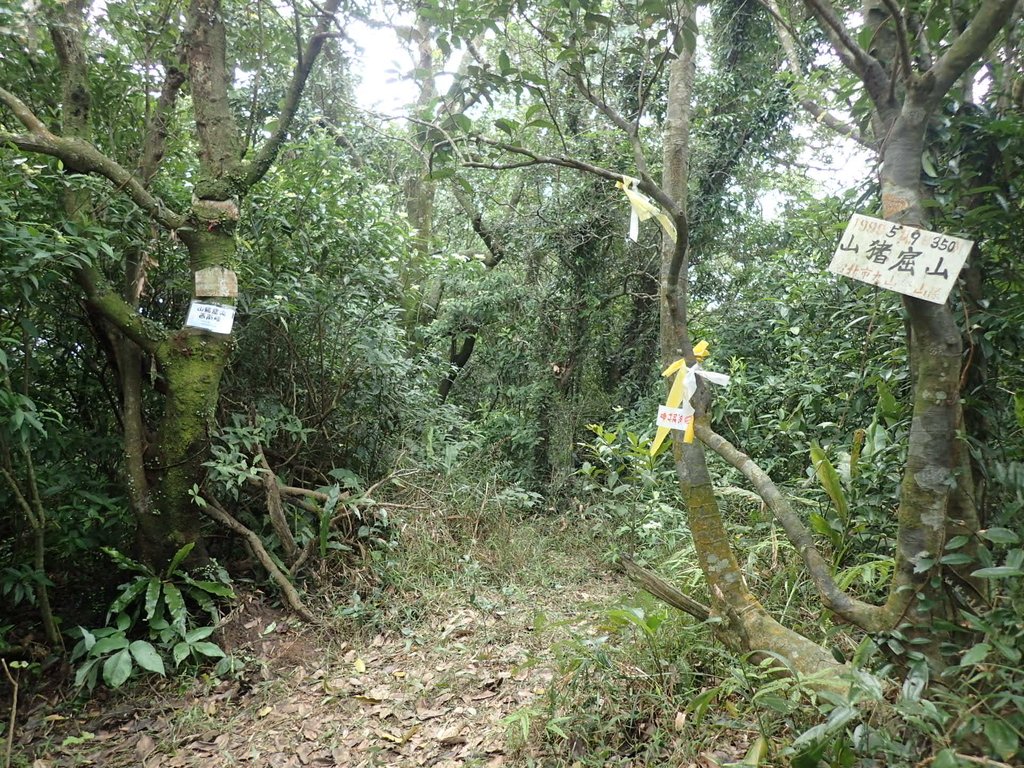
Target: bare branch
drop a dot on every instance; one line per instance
(646, 184)
(868, 617)
(968, 47)
(851, 54)
(664, 591)
(787, 39)
(495, 246)
(156, 131)
(901, 37)
(81, 156)
(629, 128)
(268, 152)
(214, 510)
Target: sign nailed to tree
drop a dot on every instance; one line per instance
(217, 318)
(904, 259)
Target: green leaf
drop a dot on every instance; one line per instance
(145, 656)
(87, 674)
(1000, 536)
(462, 122)
(176, 605)
(152, 596)
(829, 479)
(956, 558)
(1002, 738)
(997, 572)
(178, 558)
(946, 759)
(180, 653)
(508, 126)
(975, 655)
(88, 638)
(199, 633)
(888, 406)
(126, 563)
(214, 588)
(928, 165)
(108, 644)
(209, 649)
(117, 669)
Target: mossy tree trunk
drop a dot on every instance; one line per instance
(749, 627)
(906, 87)
(161, 472)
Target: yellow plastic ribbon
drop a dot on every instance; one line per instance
(643, 208)
(677, 406)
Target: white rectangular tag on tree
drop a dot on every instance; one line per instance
(904, 259)
(216, 318)
(674, 418)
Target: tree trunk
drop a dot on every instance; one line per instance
(751, 628)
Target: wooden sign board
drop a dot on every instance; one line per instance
(904, 259)
(216, 318)
(216, 282)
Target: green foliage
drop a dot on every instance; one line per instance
(163, 608)
(631, 494)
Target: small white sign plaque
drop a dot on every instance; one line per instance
(904, 259)
(217, 318)
(675, 418)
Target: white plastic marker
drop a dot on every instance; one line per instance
(677, 413)
(643, 208)
(216, 318)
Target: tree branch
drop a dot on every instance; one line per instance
(869, 617)
(81, 156)
(495, 246)
(969, 46)
(901, 39)
(646, 184)
(851, 54)
(664, 591)
(100, 295)
(268, 152)
(854, 58)
(156, 131)
(630, 129)
(787, 39)
(215, 511)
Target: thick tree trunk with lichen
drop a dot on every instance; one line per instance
(936, 495)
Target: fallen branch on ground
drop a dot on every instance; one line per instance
(291, 596)
(664, 591)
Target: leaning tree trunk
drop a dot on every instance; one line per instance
(750, 628)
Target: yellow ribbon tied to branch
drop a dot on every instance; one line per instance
(677, 413)
(643, 208)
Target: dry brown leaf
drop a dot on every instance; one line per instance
(144, 747)
(680, 721)
(450, 737)
(428, 714)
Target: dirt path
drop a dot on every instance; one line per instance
(437, 694)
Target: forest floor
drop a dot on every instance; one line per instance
(441, 689)
(455, 650)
